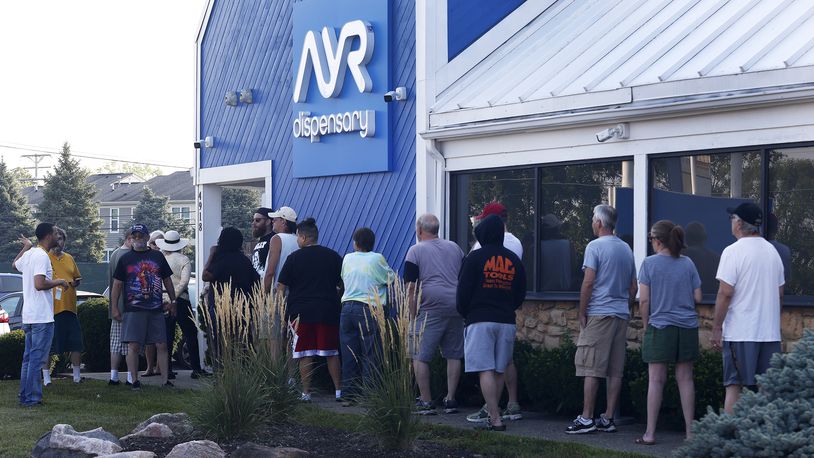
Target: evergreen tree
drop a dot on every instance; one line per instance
(69, 201)
(16, 215)
(778, 420)
(237, 209)
(152, 211)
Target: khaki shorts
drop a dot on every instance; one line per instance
(601, 347)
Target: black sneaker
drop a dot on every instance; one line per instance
(136, 386)
(605, 424)
(580, 427)
(450, 406)
(113, 382)
(171, 376)
(424, 408)
(167, 384)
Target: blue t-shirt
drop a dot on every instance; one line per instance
(671, 282)
(612, 259)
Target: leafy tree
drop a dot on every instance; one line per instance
(69, 201)
(22, 175)
(143, 171)
(152, 211)
(237, 209)
(17, 218)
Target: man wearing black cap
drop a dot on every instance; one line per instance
(261, 229)
(746, 326)
(140, 275)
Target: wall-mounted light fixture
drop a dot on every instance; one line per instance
(620, 131)
(207, 142)
(230, 99)
(246, 96)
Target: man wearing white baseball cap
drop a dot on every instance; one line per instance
(284, 242)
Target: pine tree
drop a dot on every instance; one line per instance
(778, 420)
(69, 201)
(16, 215)
(152, 211)
(237, 208)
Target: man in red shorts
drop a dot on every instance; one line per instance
(313, 277)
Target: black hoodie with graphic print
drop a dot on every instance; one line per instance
(492, 281)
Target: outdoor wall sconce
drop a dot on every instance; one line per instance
(230, 99)
(207, 142)
(246, 96)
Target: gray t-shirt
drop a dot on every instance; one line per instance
(615, 268)
(111, 267)
(671, 282)
(438, 263)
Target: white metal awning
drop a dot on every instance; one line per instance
(584, 55)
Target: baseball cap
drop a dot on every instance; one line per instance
(748, 212)
(286, 213)
(494, 208)
(263, 211)
(139, 228)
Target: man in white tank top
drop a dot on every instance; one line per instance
(284, 242)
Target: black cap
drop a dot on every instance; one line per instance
(748, 212)
(264, 211)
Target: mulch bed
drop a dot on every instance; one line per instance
(320, 442)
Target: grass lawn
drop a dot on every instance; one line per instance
(478, 442)
(85, 406)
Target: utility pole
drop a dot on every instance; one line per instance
(36, 158)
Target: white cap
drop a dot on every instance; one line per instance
(286, 213)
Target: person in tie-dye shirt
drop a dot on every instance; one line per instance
(365, 275)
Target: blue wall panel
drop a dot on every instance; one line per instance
(467, 20)
(248, 44)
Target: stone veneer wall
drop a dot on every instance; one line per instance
(545, 324)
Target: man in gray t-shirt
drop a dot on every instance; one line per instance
(433, 264)
(117, 349)
(604, 309)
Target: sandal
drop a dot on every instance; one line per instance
(488, 426)
(150, 374)
(642, 441)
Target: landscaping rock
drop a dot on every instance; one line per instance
(63, 440)
(252, 450)
(151, 430)
(179, 423)
(197, 449)
(136, 454)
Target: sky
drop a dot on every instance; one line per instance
(113, 78)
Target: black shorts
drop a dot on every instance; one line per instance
(67, 333)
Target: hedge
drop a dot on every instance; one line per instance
(95, 334)
(12, 346)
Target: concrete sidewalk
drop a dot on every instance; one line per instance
(182, 379)
(543, 426)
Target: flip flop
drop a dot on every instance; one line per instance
(641, 441)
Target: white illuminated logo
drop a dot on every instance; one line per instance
(335, 57)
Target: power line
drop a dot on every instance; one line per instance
(41, 149)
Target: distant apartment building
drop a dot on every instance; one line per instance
(118, 194)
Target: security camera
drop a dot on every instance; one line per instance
(620, 131)
(398, 94)
(207, 142)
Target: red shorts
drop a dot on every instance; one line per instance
(315, 339)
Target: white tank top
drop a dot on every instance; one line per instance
(288, 245)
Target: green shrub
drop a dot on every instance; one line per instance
(277, 370)
(95, 334)
(12, 346)
(778, 420)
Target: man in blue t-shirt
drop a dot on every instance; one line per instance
(140, 275)
(607, 290)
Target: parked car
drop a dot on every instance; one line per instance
(12, 304)
(10, 283)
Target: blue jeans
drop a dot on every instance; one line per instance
(37, 343)
(359, 345)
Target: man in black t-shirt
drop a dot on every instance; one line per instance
(261, 228)
(313, 277)
(140, 275)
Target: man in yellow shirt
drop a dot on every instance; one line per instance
(67, 333)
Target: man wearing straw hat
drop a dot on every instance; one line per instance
(171, 245)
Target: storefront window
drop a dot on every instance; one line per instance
(695, 191)
(790, 225)
(549, 210)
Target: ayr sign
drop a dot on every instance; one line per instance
(341, 71)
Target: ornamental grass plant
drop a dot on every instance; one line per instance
(253, 366)
(389, 395)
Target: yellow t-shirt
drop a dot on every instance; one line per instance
(66, 269)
